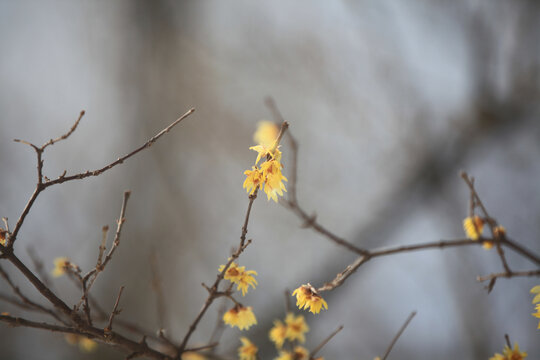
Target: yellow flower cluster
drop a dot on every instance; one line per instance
(510, 354)
(85, 344)
(536, 300)
(3, 237)
(240, 316)
(61, 265)
(298, 353)
(293, 329)
(307, 296)
(240, 276)
(268, 176)
(191, 355)
(248, 350)
(473, 226)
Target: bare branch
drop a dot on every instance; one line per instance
(114, 311)
(66, 135)
(395, 339)
(508, 275)
(214, 289)
(324, 342)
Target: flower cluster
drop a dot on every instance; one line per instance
(240, 276)
(61, 265)
(307, 296)
(240, 316)
(298, 353)
(3, 237)
(292, 329)
(536, 300)
(268, 176)
(248, 350)
(85, 344)
(473, 226)
(510, 354)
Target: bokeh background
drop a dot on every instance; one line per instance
(388, 101)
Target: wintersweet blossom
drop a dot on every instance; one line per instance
(296, 328)
(191, 355)
(240, 316)
(268, 176)
(3, 236)
(240, 276)
(254, 180)
(248, 350)
(473, 226)
(61, 264)
(85, 344)
(536, 290)
(266, 134)
(278, 333)
(298, 353)
(537, 314)
(510, 354)
(307, 296)
(273, 179)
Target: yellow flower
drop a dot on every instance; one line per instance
(266, 138)
(266, 134)
(248, 350)
(191, 355)
(273, 179)
(61, 264)
(85, 344)
(238, 275)
(307, 296)
(278, 333)
(510, 354)
(240, 316)
(3, 236)
(487, 245)
(254, 180)
(536, 290)
(296, 327)
(473, 226)
(299, 353)
(537, 314)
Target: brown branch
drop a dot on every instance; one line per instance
(350, 269)
(90, 332)
(491, 222)
(324, 342)
(158, 291)
(214, 289)
(311, 222)
(508, 275)
(26, 300)
(89, 279)
(114, 311)
(63, 178)
(66, 135)
(395, 339)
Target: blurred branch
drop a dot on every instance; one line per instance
(395, 339)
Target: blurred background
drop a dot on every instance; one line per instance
(388, 101)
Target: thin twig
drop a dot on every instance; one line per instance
(89, 279)
(324, 342)
(66, 135)
(158, 291)
(395, 339)
(508, 275)
(214, 289)
(114, 311)
(491, 222)
(63, 178)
